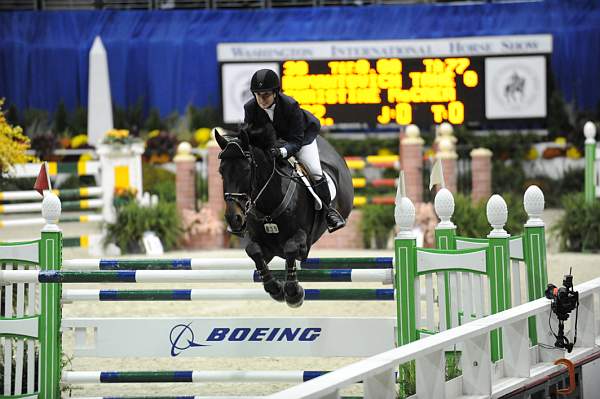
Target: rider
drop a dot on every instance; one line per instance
(296, 127)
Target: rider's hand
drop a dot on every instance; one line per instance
(275, 153)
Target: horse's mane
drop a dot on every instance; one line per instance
(264, 138)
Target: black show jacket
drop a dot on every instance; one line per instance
(293, 124)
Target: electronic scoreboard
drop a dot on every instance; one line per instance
(472, 81)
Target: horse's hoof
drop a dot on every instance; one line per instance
(294, 295)
(275, 289)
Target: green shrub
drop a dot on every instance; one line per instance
(77, 123)
(60, 118)
(154, 122)
(407, 384)
(376, 224)
(579, 228)
(201, 188)
(133, 220)
(554, 189)
(130, 117)
(508, 177)
(202, 117)
(159, 181)
(471, 219)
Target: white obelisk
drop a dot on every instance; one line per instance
(100, 117)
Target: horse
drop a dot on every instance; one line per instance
(516, 86)
(269, 204)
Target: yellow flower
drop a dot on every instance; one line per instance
(202, 136)
(86, 157)
(573, 153)
(384, 151)
(78, 141)
(560, 140)
(532, 154)
(429, 154)
(13, 144)
(154, 133)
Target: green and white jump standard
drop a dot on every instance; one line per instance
(592, 163)
(473, 276)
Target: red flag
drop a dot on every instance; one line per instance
(42, 182)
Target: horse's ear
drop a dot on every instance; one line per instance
(220, 139)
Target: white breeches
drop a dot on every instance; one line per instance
(309, 156)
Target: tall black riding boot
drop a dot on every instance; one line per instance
(334, 220)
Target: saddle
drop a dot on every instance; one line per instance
(300, 171)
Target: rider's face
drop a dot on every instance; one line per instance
(265, 99)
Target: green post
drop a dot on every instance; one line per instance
(405, 267)
(445, 238)
(534, 251)
(50, 310)
(589, 130)
(498, 266)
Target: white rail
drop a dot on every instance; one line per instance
(480, 378)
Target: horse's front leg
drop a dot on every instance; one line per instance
(273, 286)
(294, 248)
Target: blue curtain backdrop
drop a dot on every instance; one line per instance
(169, 57)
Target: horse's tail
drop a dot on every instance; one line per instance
(336, 167)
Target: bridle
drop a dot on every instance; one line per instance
(244, 200)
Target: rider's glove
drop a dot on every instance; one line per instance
(276, 153)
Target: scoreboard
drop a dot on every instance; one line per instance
(474, 81)
(387, 90)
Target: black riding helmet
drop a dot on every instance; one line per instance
(264, 80)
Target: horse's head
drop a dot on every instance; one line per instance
(236, 171)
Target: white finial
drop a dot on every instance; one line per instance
(184, 152)
(51, 210)
(413, 135)
(404, 215)
(533, 201)
(497, 215)
(412, 131)
(446, 129)
(404, 212)
(444, 207)
(589, 130)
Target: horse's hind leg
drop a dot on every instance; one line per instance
(273, 286)
(294, 248)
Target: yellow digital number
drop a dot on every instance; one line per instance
(386, 66)
(384, 117)
(295, 68)
(403, 114)
(456, 112)
(470, 78)
(439, 112)
(362, 67)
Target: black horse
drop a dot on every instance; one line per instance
(265, 199)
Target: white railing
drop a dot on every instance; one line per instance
(521, 363)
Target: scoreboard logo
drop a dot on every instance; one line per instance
(515, 87)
